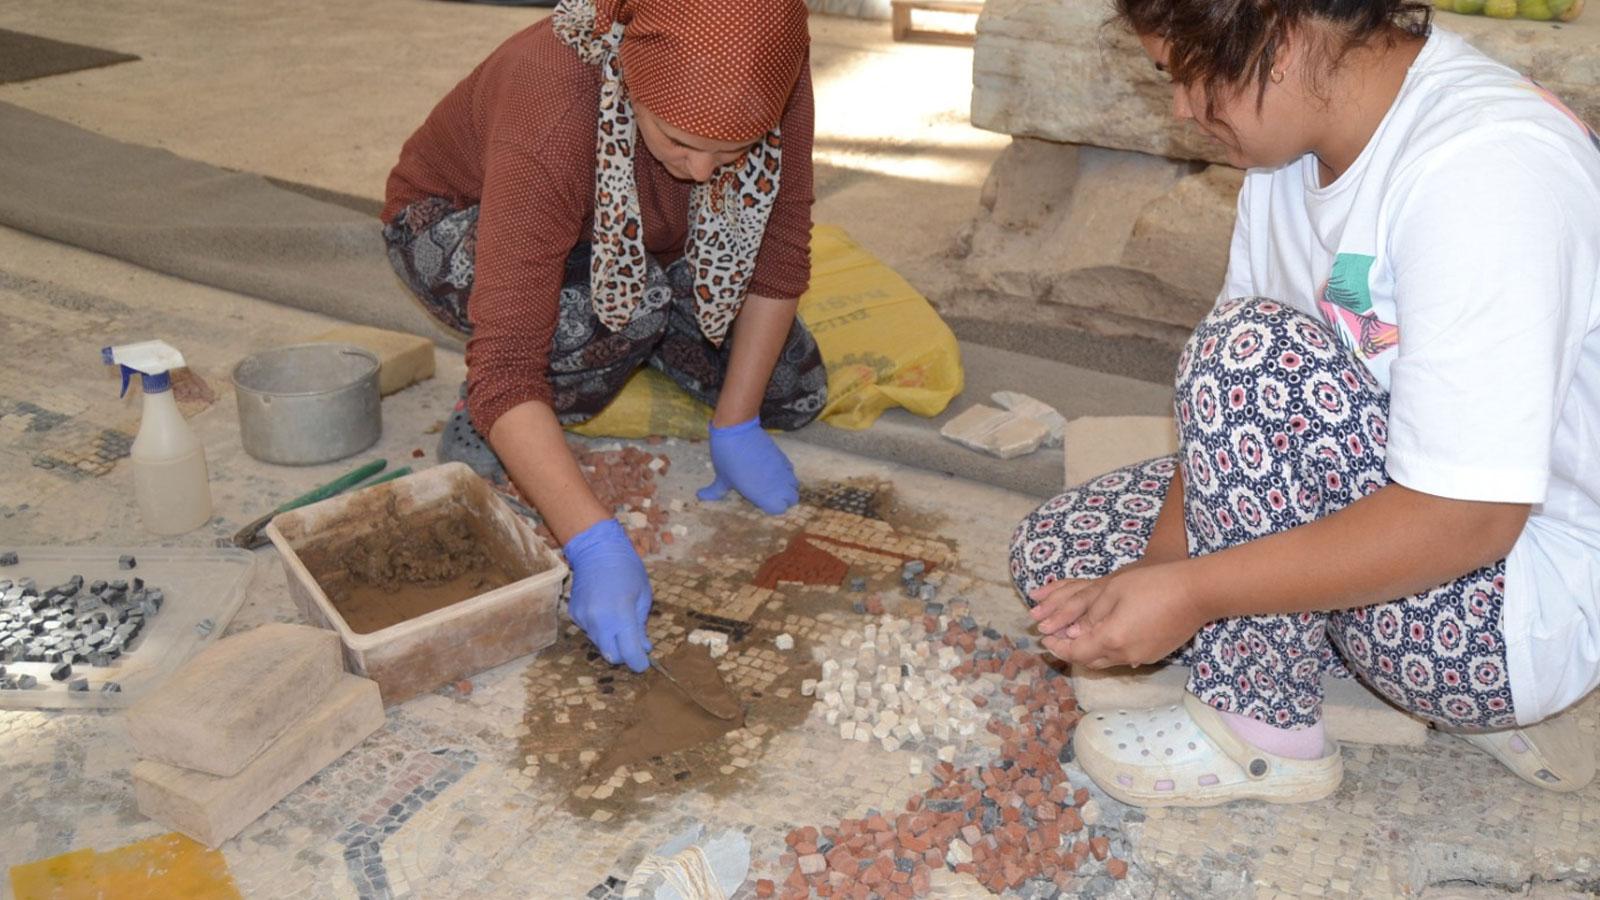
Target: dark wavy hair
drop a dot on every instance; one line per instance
(1230, 45)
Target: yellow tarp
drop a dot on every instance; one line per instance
(881, 341)
(169, 867)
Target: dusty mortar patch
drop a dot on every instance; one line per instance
(667, 720)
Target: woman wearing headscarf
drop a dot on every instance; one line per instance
(626, 183)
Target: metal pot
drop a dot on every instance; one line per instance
(308, 403)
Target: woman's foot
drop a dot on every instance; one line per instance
(1186, 755)
(1554, 754)
(1296, 743)
(460, 442)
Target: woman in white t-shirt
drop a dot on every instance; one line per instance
(1397, 396)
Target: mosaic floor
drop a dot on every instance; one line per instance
(490, 792)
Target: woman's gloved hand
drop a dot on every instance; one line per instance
(610, 593)
(747, 460)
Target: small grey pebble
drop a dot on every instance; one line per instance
(126, 561)
(78, 684)
(111, 687)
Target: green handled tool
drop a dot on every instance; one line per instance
(250, 536)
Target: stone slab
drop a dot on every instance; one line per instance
(1096, 445)
(1353, 714)
(1057, 71)
(403, 359)
(212, 809)
(230, 702)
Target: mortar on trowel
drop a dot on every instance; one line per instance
(411, 637)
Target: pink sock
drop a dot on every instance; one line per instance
(1297, 743)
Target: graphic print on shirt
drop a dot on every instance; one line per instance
(1555, 101)
(1346, 305)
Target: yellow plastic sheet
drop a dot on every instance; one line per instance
(169, 867)
(882, 343)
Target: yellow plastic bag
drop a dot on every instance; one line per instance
(882, 343)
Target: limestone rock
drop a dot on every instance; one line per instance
(1057, 71)
(1109, 240)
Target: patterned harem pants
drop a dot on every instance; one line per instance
(1280, 425)
(432, 245)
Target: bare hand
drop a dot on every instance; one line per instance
(1135, 616)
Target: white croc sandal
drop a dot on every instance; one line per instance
(1553, 754)
(1185, 755)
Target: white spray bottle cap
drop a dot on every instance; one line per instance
(151, 359)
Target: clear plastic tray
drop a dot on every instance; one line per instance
(199, 584)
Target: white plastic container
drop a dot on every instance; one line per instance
(171, 483)
(450, 643)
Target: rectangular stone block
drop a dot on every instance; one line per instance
(1351, 712)
(232, 700)
(403, 359)
(212, 809)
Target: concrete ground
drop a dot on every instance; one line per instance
(323, 94)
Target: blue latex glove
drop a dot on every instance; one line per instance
(610, 593)
(747, 460)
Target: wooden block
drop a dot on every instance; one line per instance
(232, 700)
(403, 359)
(1096, 445)
(902, 28)
(1352, 713)
(212, 809)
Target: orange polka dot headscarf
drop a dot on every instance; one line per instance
(720, 69)
(717, 69)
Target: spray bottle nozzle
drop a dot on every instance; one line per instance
(151, 359)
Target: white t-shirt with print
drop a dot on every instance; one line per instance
(1459, 257)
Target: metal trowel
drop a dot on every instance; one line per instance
(725, 707)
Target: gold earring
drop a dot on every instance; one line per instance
(1277, 76)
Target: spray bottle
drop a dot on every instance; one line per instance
(170, 482)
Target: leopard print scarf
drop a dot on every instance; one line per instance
(727, 215)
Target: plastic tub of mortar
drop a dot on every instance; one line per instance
(331, 549)
(307, 404)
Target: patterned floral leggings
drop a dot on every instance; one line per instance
(432, 246)
(1279, 425)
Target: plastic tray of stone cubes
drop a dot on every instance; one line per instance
(202, 591)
